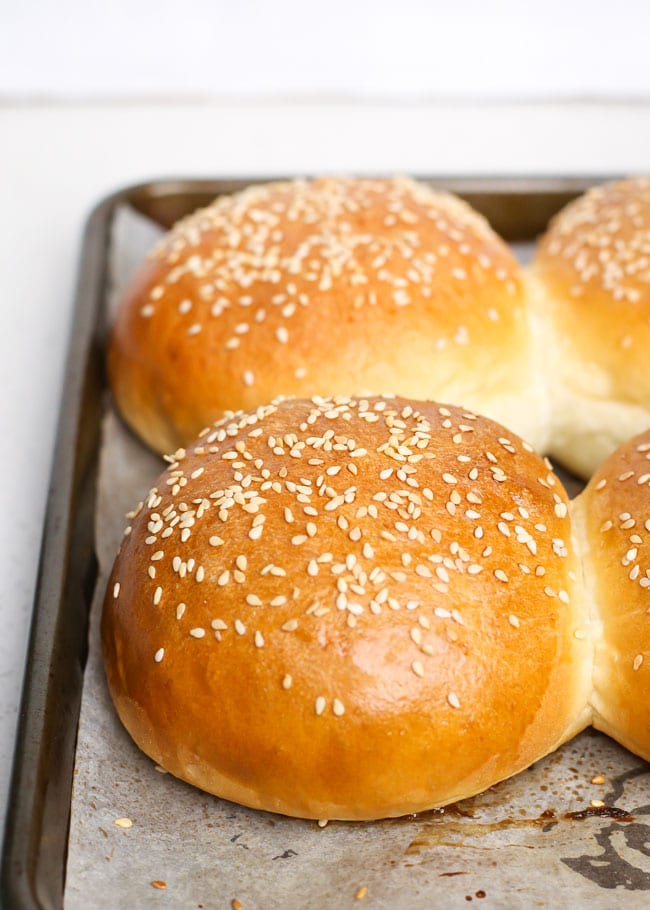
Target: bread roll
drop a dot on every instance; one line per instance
(613, 517)
(590, 287)
(349, 608)
(324, 287)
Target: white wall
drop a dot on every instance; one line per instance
(385, 48)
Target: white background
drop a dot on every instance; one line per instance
(94, 96)
(340, 48)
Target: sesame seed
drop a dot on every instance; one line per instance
(197, 632)
(158, 656)
(453, 700)
(319, 705)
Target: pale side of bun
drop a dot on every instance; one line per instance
(349, 286)
(613, 515)
(590, 289)
(349, 608)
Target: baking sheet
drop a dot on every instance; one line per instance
(513, 846)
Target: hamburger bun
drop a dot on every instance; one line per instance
(612, 516)
(590, 291)
(330, 286)
(349, 608)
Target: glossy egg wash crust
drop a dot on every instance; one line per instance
(613, 518)
(350, 608)
(330, 286)
(589, 293)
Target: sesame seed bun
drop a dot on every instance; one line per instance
(349, 608)
(330, 286)
(590, 285)
(613, 517)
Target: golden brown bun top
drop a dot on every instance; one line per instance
(318, 287)
(349, 608)
(615, 512)
(594, 262)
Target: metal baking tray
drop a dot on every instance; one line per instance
(35, 842)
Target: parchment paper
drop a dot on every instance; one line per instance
(511, 847)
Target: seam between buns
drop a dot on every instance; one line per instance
(591, 611)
